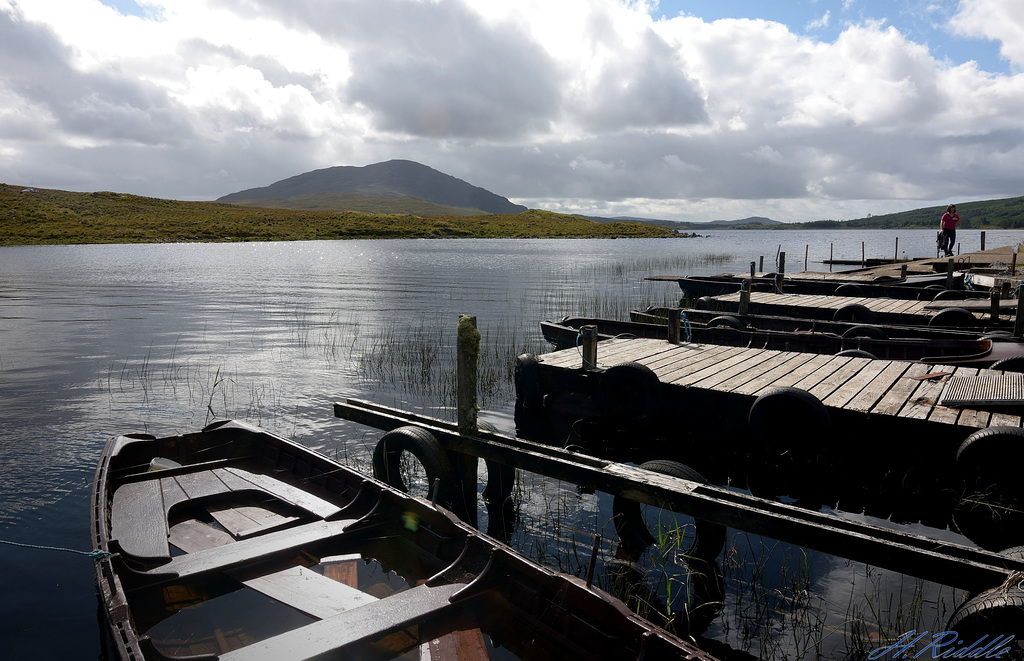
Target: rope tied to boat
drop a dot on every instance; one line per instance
(96, 554)
(969, 281)
(687, 328)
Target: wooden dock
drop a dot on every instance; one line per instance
(887, 310)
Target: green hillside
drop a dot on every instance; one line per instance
(43, 216)
(390, 204)
(1006, 213)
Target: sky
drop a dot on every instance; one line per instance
(687, 110)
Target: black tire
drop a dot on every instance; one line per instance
(635, 537)
(725, 321)
(954, 318)
(989, 509)
(885, 278)
(854, 312)
(849, 290)
(994, 613)
(1009, 364)
(705, 303)
(789, 421)
(871, 332)
(857, 353)
(950, 295)
(631, 391)
(419, 443)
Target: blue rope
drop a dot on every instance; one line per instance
(686, 327)
(95, 555)
(968, 284)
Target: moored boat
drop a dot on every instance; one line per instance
(234, 543)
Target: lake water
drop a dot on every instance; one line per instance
(101, 340)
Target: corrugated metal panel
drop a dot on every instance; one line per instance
(1002, 389)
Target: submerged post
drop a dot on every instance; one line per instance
(589, 333)
(674, 325)
(467, 356)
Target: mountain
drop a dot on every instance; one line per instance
(745, 223)
(388, 180)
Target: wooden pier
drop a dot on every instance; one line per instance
(852, 308)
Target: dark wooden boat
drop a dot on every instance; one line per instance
(233, 543)
(885, 287)
(974, 351)
(780, 322)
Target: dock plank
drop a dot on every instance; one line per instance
(837, 378)
(792, 378)
(872, 392)
(680, 372)
(922, 401)
(853, 386)
(779, 363)
(744, 363)
(897, 396)
(823, 372)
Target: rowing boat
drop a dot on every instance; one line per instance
(233, 543)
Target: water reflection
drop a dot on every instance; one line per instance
(102, 340)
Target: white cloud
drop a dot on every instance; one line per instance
(577, 104)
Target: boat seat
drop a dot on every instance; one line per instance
(145, 537)
(367, 623)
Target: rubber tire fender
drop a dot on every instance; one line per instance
(955, 318)
(848, 289)
(631, 391)
(857, 353)
(634, 537)
(870, 332)
(950, 295)
(776, 408)
(998, 611)
(421, 444)
(854, 312)
(987, 462)
(725, 321)
(1009, 364)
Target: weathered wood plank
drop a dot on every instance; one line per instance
(839, 377)
(132, 523)
(679, 372)
(897, 396)
(779, 363)
(853, 386)
(823, 372)
(743, 366)
(921, 402)
(866, 399)
(792, 378)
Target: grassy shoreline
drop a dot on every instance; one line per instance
(55, 217)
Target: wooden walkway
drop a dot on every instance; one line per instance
(824, 307)
(874, 387)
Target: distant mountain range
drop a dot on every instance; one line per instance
(753, 221)
(395, 186)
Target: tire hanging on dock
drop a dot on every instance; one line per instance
(854, 312)
(871, 332)
(635, 537)
(420, 443)
(630, 391)
(989, 510)
(954, 318)
(995, 612)
(725, 321)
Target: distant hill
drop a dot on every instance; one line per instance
(1005, 213)
(395, 186)
(754, 222)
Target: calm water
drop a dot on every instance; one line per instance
(102, 340)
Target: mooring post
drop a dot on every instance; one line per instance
(1018, 320)
(753, 273)
(1013, 262)
(995, 305)
(674, 325)
(780, 276)
(863, 259)
(745, 297)
(1005, 289)
(807, 248)
(589, 333)
(466, 359)
(903, 272)
(896, 253)
(760, 268)
(983, 239)
(949, 273)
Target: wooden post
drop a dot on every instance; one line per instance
(949, 273)
(467, 355)
(674, 325)
(896, 253)
(1018, 320)
(807, 247)
(752, 271)
(589, 347)
(760, 268)
(995, 305)
(782, 271)
(903, 272)
(1005, 289)
(831, 256)
(983, 239)
(745, 297)
(863, 259)
(1013, 263)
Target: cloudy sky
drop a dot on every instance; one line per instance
(692, 110)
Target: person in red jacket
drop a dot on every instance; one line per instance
(949, 221)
